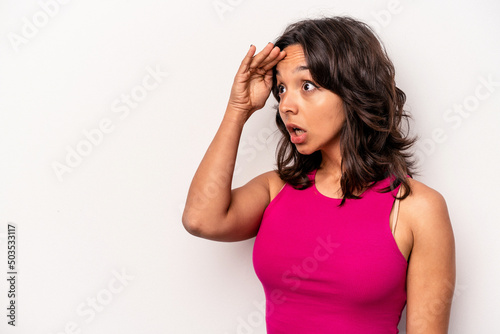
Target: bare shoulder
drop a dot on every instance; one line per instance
(423, 195)
(425, 208)
(273, 182)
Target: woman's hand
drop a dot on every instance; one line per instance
(253, 81)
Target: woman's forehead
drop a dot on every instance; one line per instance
(294, 60)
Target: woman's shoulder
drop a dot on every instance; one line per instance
(423, 195)
(273, 181)
(424, 207)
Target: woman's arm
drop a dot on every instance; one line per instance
(431, 270)
(213, 210)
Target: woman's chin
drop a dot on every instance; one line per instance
(304, 150)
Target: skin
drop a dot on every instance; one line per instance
(304, 103)
(216, 211)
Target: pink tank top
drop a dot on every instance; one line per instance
(329, 269)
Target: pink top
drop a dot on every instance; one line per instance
(327, 269)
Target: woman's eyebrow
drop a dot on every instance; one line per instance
(297, 69)
(301, 68)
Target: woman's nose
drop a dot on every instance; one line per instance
(288, 103)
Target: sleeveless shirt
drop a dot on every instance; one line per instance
(330, 269)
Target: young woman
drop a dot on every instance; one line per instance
(327, 249)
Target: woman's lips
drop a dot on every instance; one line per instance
(297, 134)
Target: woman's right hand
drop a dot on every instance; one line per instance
(253, 81)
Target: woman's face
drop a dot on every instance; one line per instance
(313, 115)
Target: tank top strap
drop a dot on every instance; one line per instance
(385, 183)
(389, 198)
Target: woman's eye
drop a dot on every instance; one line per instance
(281, 89)
(308, 86)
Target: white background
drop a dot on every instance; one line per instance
(119, 208)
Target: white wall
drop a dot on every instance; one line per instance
(116, 212)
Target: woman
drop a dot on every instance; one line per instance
(327, 249)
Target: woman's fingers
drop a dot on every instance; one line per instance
(264, 60)
(274, 59)
(245, 63)
(262, 56)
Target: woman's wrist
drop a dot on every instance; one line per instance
(236, 115)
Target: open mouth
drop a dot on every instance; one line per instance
(295, 130)
(297, 135)
(298, 131)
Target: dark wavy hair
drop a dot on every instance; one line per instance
(345, 56)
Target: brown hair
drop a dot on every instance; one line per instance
(345, 57)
